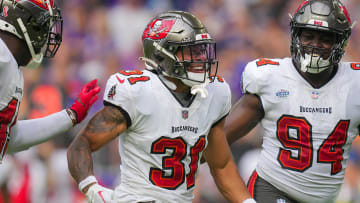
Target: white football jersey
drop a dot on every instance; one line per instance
(160, 150)
(307, 131)
(11, 92)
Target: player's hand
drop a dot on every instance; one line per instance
(99, 194)
(86, 98)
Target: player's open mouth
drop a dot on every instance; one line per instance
(196, 69)
(317, 55)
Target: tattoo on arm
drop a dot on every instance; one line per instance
(79, 159)
(106, 120)
(101, 129)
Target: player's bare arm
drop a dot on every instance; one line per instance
(222, 166)
(106, 125)
(243, 117)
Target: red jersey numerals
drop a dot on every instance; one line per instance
(194, 153)
(330, 151)
(264, 61)
(131, 72)
(218, 77)
(355, 66)
(302, 144)
(134, 80)
(7, 120)
(174, 163)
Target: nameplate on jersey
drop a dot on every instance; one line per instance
(176, 129)
(324, 110)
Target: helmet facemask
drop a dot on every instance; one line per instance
(55, 35)
(315, 59)
(193, 62)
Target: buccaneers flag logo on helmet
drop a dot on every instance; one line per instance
(158, 29)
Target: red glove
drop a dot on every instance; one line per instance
(85, 99)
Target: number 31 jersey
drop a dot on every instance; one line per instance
(161, 148)
(307, 131)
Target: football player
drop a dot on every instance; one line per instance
(307, 105)
(29, 31)
(166, 117)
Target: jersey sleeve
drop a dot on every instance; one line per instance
(5, 55)
(250, 79)
(223, 93)
(258, 74)
(118, 93)
(227, 100)
(27, 133)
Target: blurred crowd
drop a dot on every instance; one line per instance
(101, 37)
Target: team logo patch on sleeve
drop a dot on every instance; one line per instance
(112, 92)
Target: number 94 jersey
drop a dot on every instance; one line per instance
(161, 148)
(308, 131)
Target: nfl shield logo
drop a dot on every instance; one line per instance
(315, 94)
(185, 114)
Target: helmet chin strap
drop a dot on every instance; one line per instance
(35, 61)
(313, 64)
(168, 83)
(36, 58)
(200, 89)
(197, 87)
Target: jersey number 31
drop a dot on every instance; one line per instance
(174, 163)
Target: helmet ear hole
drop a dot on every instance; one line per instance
(172, 49)
(158, 58)
(178, 71)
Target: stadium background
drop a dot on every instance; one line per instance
(102, 37)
